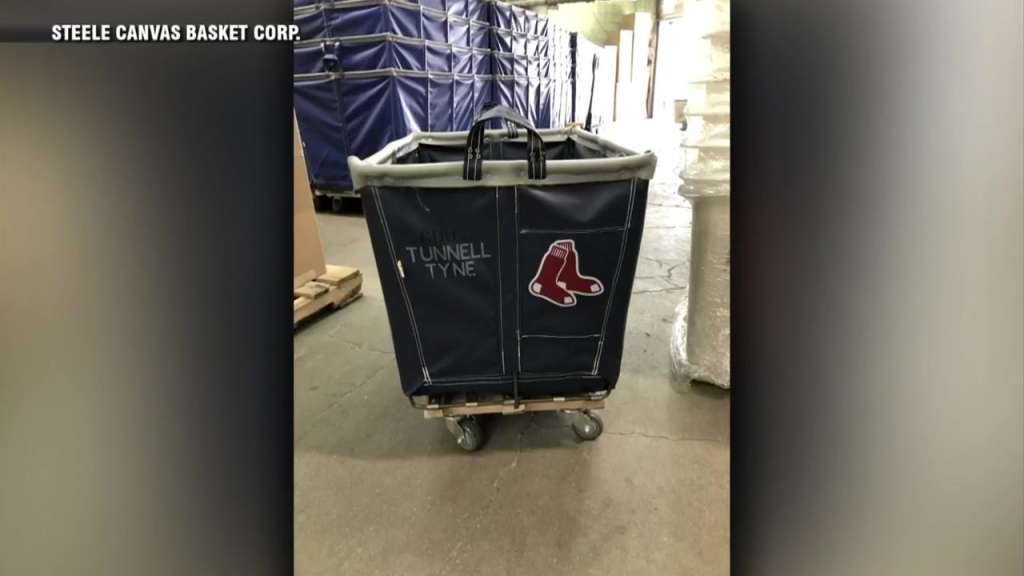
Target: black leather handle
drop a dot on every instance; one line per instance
(330, 55)
(590, 105)
(536, 162)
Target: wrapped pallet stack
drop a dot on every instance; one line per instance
(368, 72)
(701, 338)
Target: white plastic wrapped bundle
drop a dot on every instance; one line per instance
(717, 16)
(709, 169)
(713, 99)
(713, 55)
(701, 338)
(707, 131)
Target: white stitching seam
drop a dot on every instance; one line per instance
(562, 336)
(521, 377)
(615, 280)
(571, 230)
(401, 284)
(519, 312)
(501, 312)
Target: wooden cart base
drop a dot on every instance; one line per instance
(460, 413)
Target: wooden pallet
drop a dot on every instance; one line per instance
(338, 287)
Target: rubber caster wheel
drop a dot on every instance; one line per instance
(352, 205)
(588, 426)
(321, 203)
(469, 436)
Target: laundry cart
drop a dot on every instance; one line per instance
(506, 258)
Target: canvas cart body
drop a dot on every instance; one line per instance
(506, 259)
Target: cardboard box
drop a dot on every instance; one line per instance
(309, 251)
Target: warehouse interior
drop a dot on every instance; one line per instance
(379, 488)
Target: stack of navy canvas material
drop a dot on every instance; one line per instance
(371, 71)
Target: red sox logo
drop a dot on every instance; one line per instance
(558, 280)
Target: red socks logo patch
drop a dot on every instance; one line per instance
(558, 280)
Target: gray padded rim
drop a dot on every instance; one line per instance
(380, 170)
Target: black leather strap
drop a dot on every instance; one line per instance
(472, 168)
(330, 55)
(590, 105)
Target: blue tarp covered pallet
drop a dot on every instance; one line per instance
(362, 17)
(359, 112)
(380, 51)
(371, 71)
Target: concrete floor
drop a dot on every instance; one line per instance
(380, 490)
